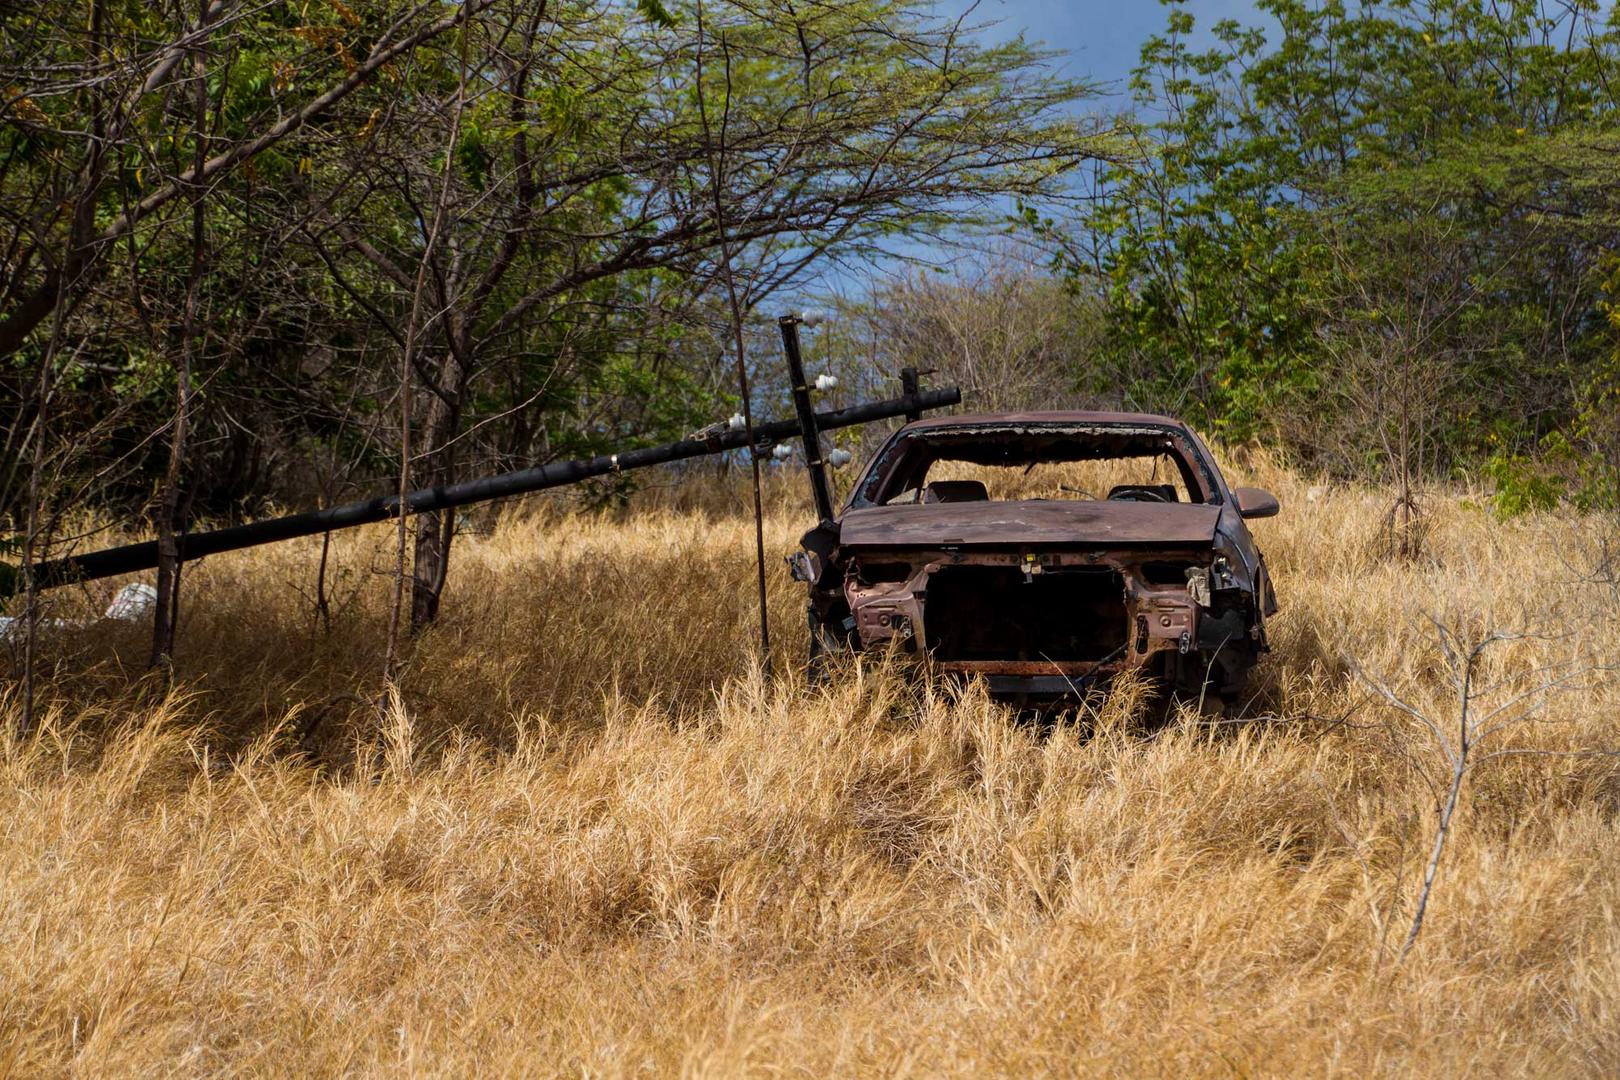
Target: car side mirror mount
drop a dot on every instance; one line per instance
(1256, 502)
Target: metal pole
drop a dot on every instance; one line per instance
(819, 489)
(909, 385)
(134, 557)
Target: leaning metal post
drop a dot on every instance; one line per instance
(813, 462)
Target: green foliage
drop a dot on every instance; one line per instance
(1355, 198)
(536, 196)
(1521, 486)
(656, 13)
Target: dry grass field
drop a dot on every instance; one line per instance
(588, 838)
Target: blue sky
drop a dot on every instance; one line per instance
(1101, 37)
(1099, 40)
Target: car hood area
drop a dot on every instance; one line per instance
(1034, 522)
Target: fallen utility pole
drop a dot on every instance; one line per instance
(144, 556)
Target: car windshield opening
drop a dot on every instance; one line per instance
(1019, 464)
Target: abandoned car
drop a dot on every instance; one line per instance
(1046, 551)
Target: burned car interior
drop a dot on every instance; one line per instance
(933, 467)
(1046, 552)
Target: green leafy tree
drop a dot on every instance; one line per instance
(1348, 177)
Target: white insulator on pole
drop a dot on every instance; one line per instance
(825, 383)
(781, 451)
(839, 458)
(736, 423)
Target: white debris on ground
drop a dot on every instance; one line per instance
(133, 603)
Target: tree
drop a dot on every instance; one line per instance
(996, 325)
(1286, 164)
(585, 161)
(74, 179)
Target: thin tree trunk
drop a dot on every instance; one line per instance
(717, 164)
(323, 606)
(401, 523)
(166, 611)
(32, 528)
(435, 529)
(30, 542)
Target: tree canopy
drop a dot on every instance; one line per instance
(1363, 216)
(287, 251)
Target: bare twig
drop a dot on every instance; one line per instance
(1476, 719)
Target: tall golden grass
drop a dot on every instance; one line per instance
(586, 836)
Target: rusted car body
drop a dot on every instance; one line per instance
(1044, 596)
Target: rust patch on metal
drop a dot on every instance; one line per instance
(1029, 523)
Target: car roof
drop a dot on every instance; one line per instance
(1052, 417)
